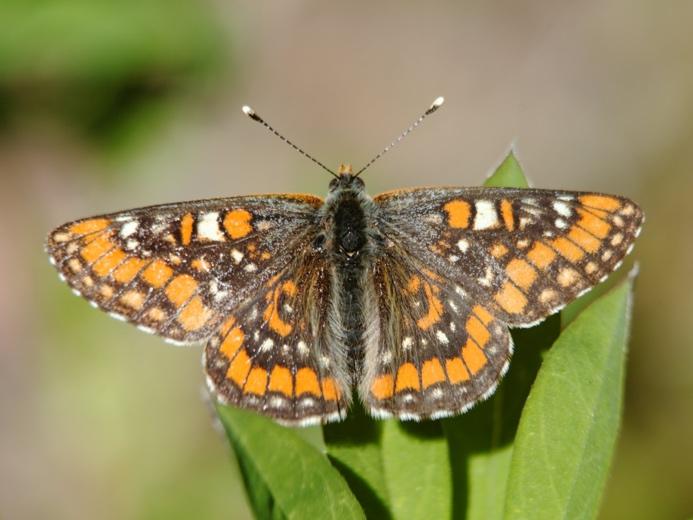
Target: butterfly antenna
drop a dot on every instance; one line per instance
(255, 117)
(434, 106)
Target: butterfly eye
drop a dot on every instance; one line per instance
(333, 184)
(358, 183)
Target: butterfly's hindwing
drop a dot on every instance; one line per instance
(434, 352)
(173, 269)
(275, 353)
(523, 254)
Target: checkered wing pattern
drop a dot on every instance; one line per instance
(273, 354)
(178, 269)
(434, 352)
(523, 254)
(458, 267)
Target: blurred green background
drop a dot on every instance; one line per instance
(111, 105)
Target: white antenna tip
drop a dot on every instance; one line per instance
(248, 111)
(438, 102)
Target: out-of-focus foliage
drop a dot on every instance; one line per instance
(106, 69)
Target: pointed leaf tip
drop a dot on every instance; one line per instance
(508, 174)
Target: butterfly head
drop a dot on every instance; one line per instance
(346, 180)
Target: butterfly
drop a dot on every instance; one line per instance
(404, 298)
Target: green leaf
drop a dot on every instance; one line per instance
(567, 433)
(508, 174)
(417, 470)
(354, 448)
(285, 476)
(481, 441)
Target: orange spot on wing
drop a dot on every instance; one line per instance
(156, 314)
(456, 371)
(157, 273)
(127, 271)
(133, 299)
(413, 284)
(507, 214)
(280, 381)
(511, 299)
(89, 226)
(432, 372)
(521, 273)
(289, 288)
(458, 212)
(200, 264)
(584, 239)
(237, 223)
(194, 315)
(567, 249)
(435, 310)
(483, 314)
(498, 250)
(307, 382)
(601, 202)
(186, 229)
(239, 368)
(232, 342)
(541, 255)
(592, 223)
(256, 382)
(329, 389)
(407, 377)
(181, 288)
(477, 331)
(383, 387)
(108, 262)
(271, 314)
(96, 248)
(473, 357)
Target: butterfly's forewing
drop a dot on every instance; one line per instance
(523, 254)
(176, 269)
(275, 354)
(434, 351)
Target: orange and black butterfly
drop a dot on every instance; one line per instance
(405, 297)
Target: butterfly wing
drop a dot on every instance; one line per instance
(458, 266)
(275, 353)
(177, 269)
(432, 352)
(524, 253)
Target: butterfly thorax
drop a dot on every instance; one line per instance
(346, 215)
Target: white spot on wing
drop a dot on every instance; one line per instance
(302, 348)
(442, 337)
(208, 227)
(129, 228)
(562, 208)
(463, 245)
(486, 215)
(236, 255)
